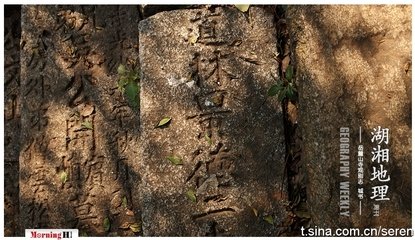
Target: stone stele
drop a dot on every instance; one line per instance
(354, 71)
(77, 133)
(208, 72)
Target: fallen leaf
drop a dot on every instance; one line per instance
(135, 227)
(175, 160)
(193, 39)
(87, 125)
(64, 177)
(208, 139)
(255, 212)
(285, 62)
(191, 194)
(242, 7)
(164, 121)
(269, 220)
(106, 224)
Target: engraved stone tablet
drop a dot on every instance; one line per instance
(216, 167)
(77, 131)
(354, 76)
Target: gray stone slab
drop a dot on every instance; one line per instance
(74, 121)
(209, 71)
(354, 70)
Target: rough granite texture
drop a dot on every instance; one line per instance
(209, 71)
(77, 133)
(354, 70)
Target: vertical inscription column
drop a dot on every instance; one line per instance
(36, 172)
(75, 148)
(209, 71)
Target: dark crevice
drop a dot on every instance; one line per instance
(12, 33)
(294, 166)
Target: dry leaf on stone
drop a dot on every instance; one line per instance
(269, 220)
(255, 212)
(87, 125)
(285, 62)
(64, 177)
(208, 139)
(193, 39)
(175, 160)
(135, 227)
(164, 121)
(191, 194)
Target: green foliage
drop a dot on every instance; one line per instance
(128, 84)
(285, 89)
(175, 160)
(106, 224)
(87, 125)
(135, 227)
(163, 122)
(269, 219)
(64, 177)
(208, 139)
(191, 195)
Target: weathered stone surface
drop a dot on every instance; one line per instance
(78, 135)
(11, 118)
(209, 71)
(354, 70)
